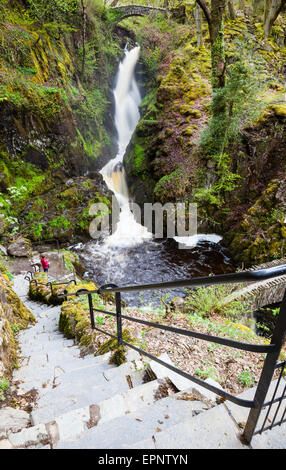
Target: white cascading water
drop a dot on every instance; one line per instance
(131, 254)
(127, 98)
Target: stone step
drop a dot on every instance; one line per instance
(74, 424)
(44, 377)
(82, 401)
(86, 390)
(228, 419)
(35, 340)
(272, 415)
(46, 359)
(212, 429)
(12, 419)
(144, 422)
(124, 370)
(60, 344)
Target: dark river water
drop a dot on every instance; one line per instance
(152, 261)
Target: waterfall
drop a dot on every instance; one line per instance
(127, 98)
(132, 254)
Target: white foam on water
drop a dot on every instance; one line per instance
(200, 237)
(127, 98)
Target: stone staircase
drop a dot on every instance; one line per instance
(87, 403)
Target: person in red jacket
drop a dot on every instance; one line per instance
(45, 264)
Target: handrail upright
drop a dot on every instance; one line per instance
(267, 371)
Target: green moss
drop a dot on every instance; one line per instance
(66, 324)
(138, 156)
(41, 290)
(74, 321)
(218, 58)
(266, 217)
(118, 357)
(189, 130)
(187, 110)
(278, 109)
(171, 187)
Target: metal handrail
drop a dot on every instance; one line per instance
(35, 266)
(29, 273)
(245, 276)
(50, 283)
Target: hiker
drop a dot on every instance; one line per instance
(45, 264)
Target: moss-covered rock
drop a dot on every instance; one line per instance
(62, 212)
(260, 237)
(75, 321)
(43, 290)
(54, 110)
(165, 161)
(54, 117)
(119, 353)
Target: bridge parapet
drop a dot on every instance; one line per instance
(126, 11)
(262, 293)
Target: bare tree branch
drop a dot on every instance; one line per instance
(207, 14)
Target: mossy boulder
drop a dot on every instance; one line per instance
(75, 321)
(63, 212)
(119, 354)
(43, 290)
(20, 247)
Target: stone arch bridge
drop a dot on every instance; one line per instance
(261, 293)
(125, 11)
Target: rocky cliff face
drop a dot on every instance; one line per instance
(56, 120)
(166, 162)
(161, 161)
(255, 228)
(45, 116)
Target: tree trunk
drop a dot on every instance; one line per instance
(274, 10)
(215, 19)
(231, 10)
(217, 40)
(83, 36)
(198, 22)
(266, 10)
(257, 6)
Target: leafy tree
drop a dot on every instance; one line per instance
(53, 10)
(240, 105)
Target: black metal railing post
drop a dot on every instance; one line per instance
(51, 287)
(267, 372)
(118, 317)
(90, 304)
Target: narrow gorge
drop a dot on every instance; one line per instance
(111, 109)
